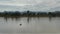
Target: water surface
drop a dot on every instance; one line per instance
(33, 25)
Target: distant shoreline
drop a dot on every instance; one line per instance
(29, 14)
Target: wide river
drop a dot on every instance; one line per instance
(33, 25)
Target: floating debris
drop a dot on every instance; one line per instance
(20, 24)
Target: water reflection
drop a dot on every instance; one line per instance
(28, 18)
(50, 19)
(17, 18)
(5, 18)
(30, 24)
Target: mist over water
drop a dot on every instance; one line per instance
(30, 25)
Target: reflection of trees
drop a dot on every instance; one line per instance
(5, 18)
(28, 14)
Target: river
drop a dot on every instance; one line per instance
(33, 25)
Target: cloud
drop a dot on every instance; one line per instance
(19, 2)
(40, 5)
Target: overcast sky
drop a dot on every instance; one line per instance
(34, 5)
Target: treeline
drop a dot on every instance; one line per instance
(29, 14)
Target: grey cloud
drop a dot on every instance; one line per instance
(6, 0)
(45, 5)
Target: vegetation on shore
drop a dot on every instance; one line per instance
(29, 14)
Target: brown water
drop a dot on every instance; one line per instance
(42, 25)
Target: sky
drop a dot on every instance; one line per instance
(32, 5)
